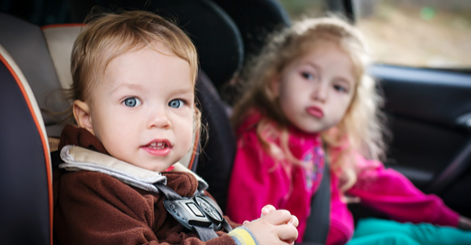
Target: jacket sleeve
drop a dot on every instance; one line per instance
(93, 208)
(255, 182)
(390, 192)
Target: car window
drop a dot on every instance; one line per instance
(416, 33)
(299, 8)
(433, 33)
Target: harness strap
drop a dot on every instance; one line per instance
(205, 234)
(317, 226)
(169, 193)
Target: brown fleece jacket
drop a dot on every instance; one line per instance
(95, 208)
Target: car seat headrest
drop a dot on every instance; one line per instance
(215, 35)
(255, 20)
(60, 39)
(26, 45)
(26, 176)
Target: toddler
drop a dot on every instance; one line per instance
(133, 88)
(307, 94)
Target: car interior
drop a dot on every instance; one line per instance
(429, 110)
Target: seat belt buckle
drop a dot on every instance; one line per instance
(199, 211)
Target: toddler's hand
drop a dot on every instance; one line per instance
(269, 208)
(274, 227)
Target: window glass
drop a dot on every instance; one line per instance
(298, 8)
(418, 33)
(432, 33)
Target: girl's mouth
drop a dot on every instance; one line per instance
(315, 111)
(158, 147)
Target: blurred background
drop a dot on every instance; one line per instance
(418, 33)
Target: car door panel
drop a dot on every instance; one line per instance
(428, 112)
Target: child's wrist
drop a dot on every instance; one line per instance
(243, 236)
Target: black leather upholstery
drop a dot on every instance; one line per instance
(255, 20)
(25, 181)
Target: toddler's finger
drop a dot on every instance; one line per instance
(294, 221)
(277, 217)
(287, 233)
(267, 209)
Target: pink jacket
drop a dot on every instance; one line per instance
(257, 180)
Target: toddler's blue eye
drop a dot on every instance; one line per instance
(132, 102)
(177, 103)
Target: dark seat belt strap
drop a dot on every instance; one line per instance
(205, 234)
(317, 226)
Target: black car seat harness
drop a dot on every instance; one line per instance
(198, 213)
(317, 225)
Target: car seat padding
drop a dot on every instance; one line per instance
(26, 189)
(25, 43)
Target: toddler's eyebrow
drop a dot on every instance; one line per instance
(311, 64)
(132, 86)
(183, 91)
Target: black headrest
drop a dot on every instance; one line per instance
(213, 32)
(255, 20)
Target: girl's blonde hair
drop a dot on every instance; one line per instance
(108, 35)
(360, 130)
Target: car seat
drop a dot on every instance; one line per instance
(37, 52)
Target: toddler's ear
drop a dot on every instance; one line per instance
(82, 115)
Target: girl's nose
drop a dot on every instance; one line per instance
(320, 92)
(159, 119)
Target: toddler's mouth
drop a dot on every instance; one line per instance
(315, 111)
(158, 147)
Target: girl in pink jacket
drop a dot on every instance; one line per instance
(308, 92)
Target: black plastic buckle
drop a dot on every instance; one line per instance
(199, 211)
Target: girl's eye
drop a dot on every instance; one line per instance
(132, 102)
(177, 103)
(340, 88)
(307, 75)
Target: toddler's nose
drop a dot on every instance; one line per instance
(158, 119)
(320, 92)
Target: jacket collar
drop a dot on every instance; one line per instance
(77, 158)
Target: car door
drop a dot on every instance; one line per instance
(424, 73)
(429, 116)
